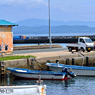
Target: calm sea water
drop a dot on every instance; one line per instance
(75, 86)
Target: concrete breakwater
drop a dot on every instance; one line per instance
(39, 63)
(55, 39)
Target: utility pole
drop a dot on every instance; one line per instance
(49, 24)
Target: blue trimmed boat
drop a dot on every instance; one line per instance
(45, 75)
(79, 70)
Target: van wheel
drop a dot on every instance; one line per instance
(82, 49)
(70, 49)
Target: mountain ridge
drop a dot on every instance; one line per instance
(40, 22)
(41, 26)
(54, 29)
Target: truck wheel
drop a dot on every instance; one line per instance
(88, 50)
(70, 49)
(76, 50)
(82, 49)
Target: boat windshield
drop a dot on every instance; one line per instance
(88, 40)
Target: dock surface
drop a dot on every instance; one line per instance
(49, 52)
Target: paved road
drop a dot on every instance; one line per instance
(38, 50)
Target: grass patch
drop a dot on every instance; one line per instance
(15, 57)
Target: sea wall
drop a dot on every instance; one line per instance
(20, 63)
(39, 63)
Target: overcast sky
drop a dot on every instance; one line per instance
(63, 10)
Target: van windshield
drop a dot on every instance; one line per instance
(88, 40)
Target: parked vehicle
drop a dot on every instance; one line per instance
(84, 43)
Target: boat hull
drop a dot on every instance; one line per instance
(84, 72)
(78, 70)
(35, 76)
(23, 90)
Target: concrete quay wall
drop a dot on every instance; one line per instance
(20, 63)
(39, 63)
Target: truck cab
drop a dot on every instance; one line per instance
(85, 43)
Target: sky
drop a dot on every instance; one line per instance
(63, 10)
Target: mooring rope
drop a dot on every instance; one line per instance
(38, 63)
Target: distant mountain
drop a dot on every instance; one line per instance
(41, 22)
(32, 22)
(54, 29)
(41, 26)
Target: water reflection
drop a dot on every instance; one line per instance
(6, 81)
(69, 82)
(17, 81)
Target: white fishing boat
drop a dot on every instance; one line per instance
(23, 90)
(78, 70)
(45, 75)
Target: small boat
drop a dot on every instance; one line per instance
(78, 70)
(45, 75)
(23, 90)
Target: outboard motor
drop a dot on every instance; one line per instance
(68, 73)
(57, 62)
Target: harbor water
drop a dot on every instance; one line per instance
(75, 86)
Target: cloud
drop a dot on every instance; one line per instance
(22, 2)
(5, 2)
(23, 9)
(60, 9)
